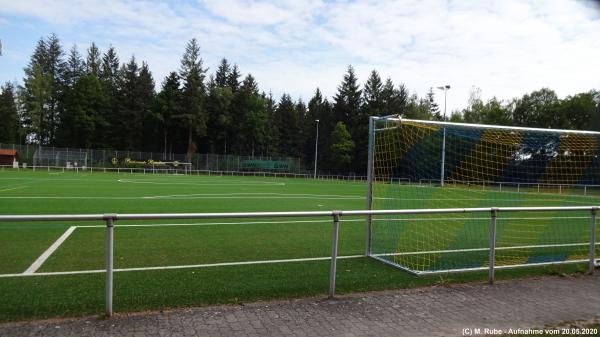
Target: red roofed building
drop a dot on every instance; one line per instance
(7, 157)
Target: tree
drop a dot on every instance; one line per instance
(126, 127)
(75, 67)
(223, 73)
(539, 109)
(218, 108)
(595, 118)
(417, 108)
(35, 94)
(348, 109)
(432, 106)
(373, 95)
(193, 113)
(9, 126)
(348, 100)
(92, 63)
(233, 80)
(578, 110)
(45, 71)
(319, 108)
(288, 123)
(145, 102)
(168, 105)
(87, 99)
(109, 70)
(393, 101)
(341, 148)
(272, 138)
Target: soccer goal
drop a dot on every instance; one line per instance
(416, 164)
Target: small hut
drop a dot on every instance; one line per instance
(8, 157)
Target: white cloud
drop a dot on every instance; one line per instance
(505, 47)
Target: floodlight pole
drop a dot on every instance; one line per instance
(445, 118)
(445, 88)
(316, 148)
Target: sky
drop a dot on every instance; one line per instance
(506, 48)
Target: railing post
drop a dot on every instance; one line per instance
(492, 244)
(334, 251)
(592, 242)
(109, 265)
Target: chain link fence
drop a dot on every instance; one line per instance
(46, 156)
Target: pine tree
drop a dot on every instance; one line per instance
(43, 89)
(86, 100)
(372, 94)
(109, 70)
(319, 108)
(288, 124)
(193, 114)
(255, 116)
(432, 106)
(75, 67)
(272, 146)
(10, 126)
(168, 105)
(92, 63)
(126, 127)
(35, 94)
(348, 100)
(145, 101)
(223, 73)
(233, 80)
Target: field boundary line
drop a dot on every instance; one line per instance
(189, 266)
(45, 255)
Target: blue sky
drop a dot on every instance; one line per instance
(506, 47)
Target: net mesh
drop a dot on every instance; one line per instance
(483, 167)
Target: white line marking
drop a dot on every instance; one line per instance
(190, 198)
(482, 249)
(10, 189)
(40, 260)
(229, 183)
(206, 265)
(259, 194)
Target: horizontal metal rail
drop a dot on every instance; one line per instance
(487, 126)
(159, 216)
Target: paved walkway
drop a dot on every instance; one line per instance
(436, 311)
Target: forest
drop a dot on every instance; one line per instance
(97, 101)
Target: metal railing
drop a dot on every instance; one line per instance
(110, 220)
(584, 189)
(353, 178)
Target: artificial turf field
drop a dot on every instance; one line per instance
(140, 245)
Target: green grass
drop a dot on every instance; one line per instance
(233, 240)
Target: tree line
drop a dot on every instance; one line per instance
(96, 101)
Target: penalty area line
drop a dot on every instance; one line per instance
(42, 258)
(206, 265)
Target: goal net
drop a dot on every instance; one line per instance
(426, 164)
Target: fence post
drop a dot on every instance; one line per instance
(492, 244)
(334, 251)
(592, 242)
(108, 294)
